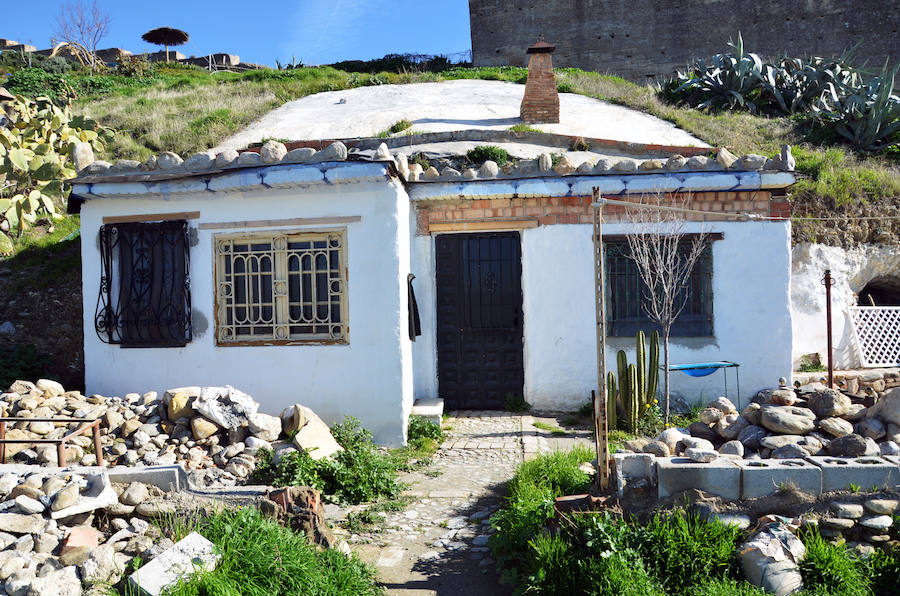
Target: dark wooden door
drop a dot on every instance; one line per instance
(479, 319)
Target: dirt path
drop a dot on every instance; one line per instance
(438, 545)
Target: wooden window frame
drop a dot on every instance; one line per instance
(280, 288)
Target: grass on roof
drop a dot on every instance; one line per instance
(189, 111)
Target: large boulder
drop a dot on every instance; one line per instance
(315, 437)
(751, 436)
(789, 420)
(836, 427)
(226, 406)
(777, 397)
(265, 427)
(829, 403)
(670, 437)
(730, 427)
(292, 419)
(724, 404)
(851, 445)
(703, 431)
(888, 408)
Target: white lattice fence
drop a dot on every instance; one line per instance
(876, 330)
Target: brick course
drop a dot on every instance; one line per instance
(546, 211)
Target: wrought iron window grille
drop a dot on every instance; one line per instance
(626, 294)
(280, 287)
(145, 287)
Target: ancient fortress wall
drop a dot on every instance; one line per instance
(647, 38)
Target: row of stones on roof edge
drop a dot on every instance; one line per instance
(273, 152)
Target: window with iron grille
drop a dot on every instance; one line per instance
(145, 292)
(278, 287)
(626, 294)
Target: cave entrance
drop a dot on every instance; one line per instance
(881, 291)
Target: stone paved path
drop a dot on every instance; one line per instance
(438, 545)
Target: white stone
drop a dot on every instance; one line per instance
(272, 151)
(265, 427)
(168, 160)
(189, 554)
(315, 437)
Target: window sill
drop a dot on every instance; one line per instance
(284, 342)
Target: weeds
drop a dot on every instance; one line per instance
(832, 568)
(259, 558)
(523, 127)
(482, 153)
(553, 430)
(516, 403)
(359, 473)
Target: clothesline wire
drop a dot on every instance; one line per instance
(742, 216)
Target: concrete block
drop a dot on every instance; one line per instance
(838, 473)
(720, 477)
(191, 553)
(894, 459)
(764, 477)
(168, 478)
(432, 409)
(634, 466)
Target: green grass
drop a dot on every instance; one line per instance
(553, 430)
(260, 558)
(832, 568)
(360, 473)
(191, 110)
(523, 127)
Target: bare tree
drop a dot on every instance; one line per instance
(82, 25)
(665, 256)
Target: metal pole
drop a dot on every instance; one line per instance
(828, 281)
(600, 414)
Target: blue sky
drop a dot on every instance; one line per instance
(315, 31)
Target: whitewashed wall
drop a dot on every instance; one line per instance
(851, 270)
(371, 378)
(752, 316)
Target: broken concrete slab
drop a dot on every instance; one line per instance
(764, 477)
(315, 437)
(721, 477)
(838, 473)
(191, 553)
(168, 478)
(98, 494)
(631, 467)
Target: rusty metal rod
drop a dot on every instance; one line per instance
(60, 443)
(828, 281)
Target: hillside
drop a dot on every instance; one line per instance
(191, 110)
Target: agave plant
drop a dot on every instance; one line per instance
(868, 116)
(794, 86)
(730, 80)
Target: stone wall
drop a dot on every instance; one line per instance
(648, 39)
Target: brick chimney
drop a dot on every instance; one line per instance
(541, 101)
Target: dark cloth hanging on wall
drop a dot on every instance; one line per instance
(415, 326)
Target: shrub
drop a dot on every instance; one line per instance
(832, 568)
(421, 428)
(399, 126)
(683, 550)
(35, 82)
(516, 403)
(359, 473)
(483, 153)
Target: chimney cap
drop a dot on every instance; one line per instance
(540, 47)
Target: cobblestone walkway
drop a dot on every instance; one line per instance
(438, 545)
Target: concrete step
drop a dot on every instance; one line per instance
(432, 409)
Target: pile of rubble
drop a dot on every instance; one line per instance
(65, 530)
(786, 423)
(215, 432)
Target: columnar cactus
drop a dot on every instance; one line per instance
(637, 382)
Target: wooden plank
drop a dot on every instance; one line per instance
(269, 223)
(114, 219)
(601, 429)
(494, 225)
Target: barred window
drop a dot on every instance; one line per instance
(277, 287)
(145, 295)
(626, 294)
